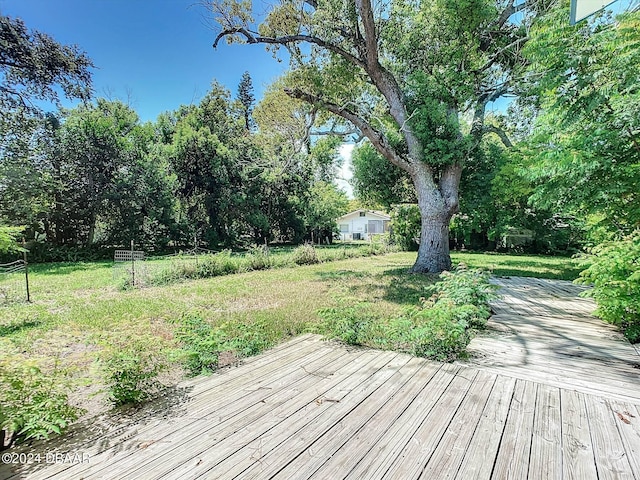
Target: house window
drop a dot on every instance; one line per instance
(344, 228)
(375, 226)
(363, 214)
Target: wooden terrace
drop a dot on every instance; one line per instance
(549, 392)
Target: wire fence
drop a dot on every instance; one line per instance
(14, 282)
(133, 269)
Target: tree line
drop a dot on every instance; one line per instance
(220, 173)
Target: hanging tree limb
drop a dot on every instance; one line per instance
(253, 37)
(377, 138)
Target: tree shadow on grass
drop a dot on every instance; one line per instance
(404, 287)
(511, 268)
(6, 330)
(396, 285)
(341, 274)
(65, 268)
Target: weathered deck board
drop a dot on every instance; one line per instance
(512, 461)
(340, 449)
(611, 458)
(546, 457)
(550, 392)
(544, 332)
(577, 448)
(488, 433)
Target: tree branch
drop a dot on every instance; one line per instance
(510, 10)
(252, 37)
(499, 53)
(500, 133)
(377, 138)
(365, 11)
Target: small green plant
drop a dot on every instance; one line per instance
(200, 343)
(614, 271)
(131, 367)
(350, 324)
(33, 403)
(248, 339)
(305, 255)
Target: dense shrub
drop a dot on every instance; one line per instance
(465, 287)
(131, 366)
(305, 255)
(405, 227)
(440, 331)
(33, 403)
(351, 324)
(614, 272)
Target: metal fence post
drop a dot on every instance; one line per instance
(26, 268)
(133, 267)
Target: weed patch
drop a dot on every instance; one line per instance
(131, 366)
(439, 327)
(33, 404)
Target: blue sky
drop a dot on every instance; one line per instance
(156, 54)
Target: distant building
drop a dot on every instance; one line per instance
(362, 224)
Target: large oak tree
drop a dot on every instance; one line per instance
(414, 77)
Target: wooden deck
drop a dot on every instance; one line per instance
(549, 392)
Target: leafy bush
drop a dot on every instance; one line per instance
(614, 272)
(464, 287)
(349, 324)
(201, 344)
(440, 332)
(131, 367)
(33, 404)
(258, 258)
(405, 227)
(9, 239)
(305, 255)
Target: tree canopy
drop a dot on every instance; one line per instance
(406, 75)
(32, 64)
(584, 154)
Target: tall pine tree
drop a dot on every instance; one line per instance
(246, 99)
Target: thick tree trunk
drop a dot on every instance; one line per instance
(437, 203)
(433, 254)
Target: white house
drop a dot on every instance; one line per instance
(362, 224)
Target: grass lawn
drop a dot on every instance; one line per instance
(78, 312)
(539, 266)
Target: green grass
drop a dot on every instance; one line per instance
(78, 312)
(559, 268)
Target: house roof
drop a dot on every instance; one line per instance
(369, 213)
